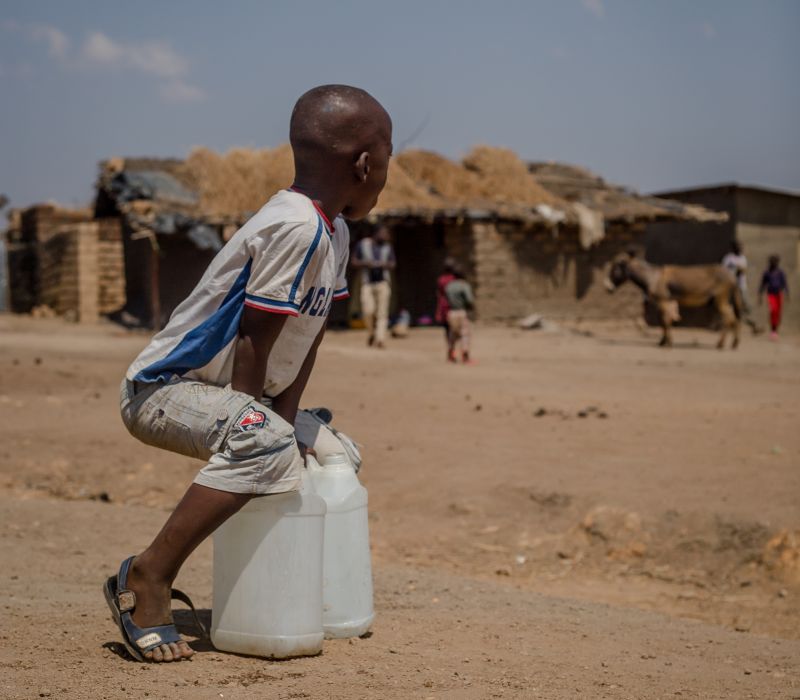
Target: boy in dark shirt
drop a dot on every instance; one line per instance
(773, 281)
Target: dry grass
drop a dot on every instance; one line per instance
(505, 178)
(443, 177)
(402, 191)
(240, 181)
(486, 177)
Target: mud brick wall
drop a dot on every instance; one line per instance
(519, 270)
(43, 221)
(68, 272)
(460, 245)
(111, 266)
(81, 272)
(31, 228)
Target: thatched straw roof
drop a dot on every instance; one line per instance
(505, 178)
(241, 180)
(404, 192)
(488, 179)
(217, 189)
(616, 203)
(229, 187)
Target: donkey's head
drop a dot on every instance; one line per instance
(619, 270)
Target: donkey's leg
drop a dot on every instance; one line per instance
(728, 321)
(666, 324)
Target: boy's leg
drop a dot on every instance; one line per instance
(201, 511)
(383, 292)
(773, 300)
(251, 451)
(452, 335)
(368, 310)
(466, 338)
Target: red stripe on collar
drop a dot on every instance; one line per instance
(328, 224)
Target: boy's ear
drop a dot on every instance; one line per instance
(362, 167)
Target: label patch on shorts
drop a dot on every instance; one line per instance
(251, 419)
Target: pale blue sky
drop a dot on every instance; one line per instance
(654, 94)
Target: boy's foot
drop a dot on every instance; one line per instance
(380, 345)
(451, 357)
(371, 341)
(154, 608)
(773, 335)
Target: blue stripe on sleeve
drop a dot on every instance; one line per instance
(201, 344)
(306, 260)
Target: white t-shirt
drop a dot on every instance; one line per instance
(287, 259)
(737, 264)
(370, 251)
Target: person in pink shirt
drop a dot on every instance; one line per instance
(442, 306)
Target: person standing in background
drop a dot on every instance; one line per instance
(442, 307)
(374, 257)
(736, 262)
(460, 300)
(773, 282)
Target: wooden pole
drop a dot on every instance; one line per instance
(155, 287)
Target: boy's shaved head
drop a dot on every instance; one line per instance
(334, 121)
(342, 141)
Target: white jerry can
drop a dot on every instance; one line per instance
(268, 576)
(347, 570)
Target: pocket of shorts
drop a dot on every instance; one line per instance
(262, 444)
(222, 418)
(169, 433)
(275, 434)
(155, 421)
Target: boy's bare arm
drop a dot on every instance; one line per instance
(258, 331)
(287, 402)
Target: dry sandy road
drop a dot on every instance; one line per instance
(466, 477)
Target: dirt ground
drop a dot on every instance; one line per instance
(581, 514)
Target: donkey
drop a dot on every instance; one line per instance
(668, 286)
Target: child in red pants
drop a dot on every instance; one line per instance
(773, 281)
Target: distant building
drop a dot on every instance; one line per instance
(62, 261)
(531, 237)
(765, 221)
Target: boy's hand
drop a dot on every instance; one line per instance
(306, 450)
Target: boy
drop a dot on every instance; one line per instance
(736, 262)
(773, 282)
(223, 380)
(460, 300)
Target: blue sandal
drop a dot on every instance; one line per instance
(122, 602)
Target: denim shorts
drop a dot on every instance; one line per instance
(247, 447)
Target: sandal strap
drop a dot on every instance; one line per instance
(148, 638)
(181, 596)
(126, 601)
